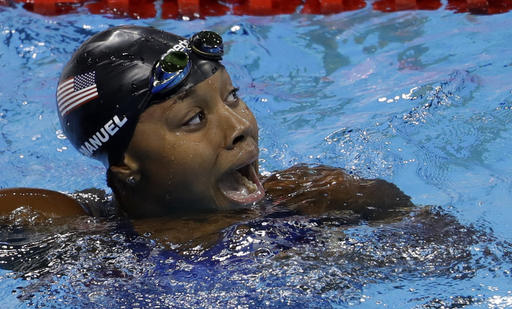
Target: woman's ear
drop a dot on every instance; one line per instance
(127, 171)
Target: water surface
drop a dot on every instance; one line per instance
(419, 98)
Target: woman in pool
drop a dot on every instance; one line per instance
(163, 116)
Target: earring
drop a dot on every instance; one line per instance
(131, 180)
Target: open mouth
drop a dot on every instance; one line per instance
(242, 185)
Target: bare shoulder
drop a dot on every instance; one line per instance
(50, 203)
(317, 189)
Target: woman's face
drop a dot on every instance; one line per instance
(197, 150)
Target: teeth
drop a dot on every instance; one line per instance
(249, 185)
(241, 186)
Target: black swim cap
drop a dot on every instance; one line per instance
(110, 81)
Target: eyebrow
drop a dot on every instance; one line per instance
(184, 94)
(178, 98)
(174, 98)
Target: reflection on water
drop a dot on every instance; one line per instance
(420, 98)
(270, 261)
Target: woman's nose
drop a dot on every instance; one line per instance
(237, 128)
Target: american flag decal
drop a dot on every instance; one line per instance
(76, 91)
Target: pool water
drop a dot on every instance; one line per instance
(419, 98)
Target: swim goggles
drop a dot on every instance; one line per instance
(174, 66)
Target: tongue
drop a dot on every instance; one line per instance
(237, 187)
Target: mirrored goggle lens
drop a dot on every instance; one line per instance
(174, 61)
(208, 44)
(170, 71)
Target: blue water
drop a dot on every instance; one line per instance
(420, 98)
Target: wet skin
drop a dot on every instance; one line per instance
(183, 147)
(299, 190)
(49, 203)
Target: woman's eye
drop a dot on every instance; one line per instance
(197, 119)
(232, 97)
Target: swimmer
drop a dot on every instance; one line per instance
(162, 114)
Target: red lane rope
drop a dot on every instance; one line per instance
(173, 9)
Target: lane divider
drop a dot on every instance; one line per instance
(190, 9)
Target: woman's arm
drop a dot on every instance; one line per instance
(50, 203)
(318, 189)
